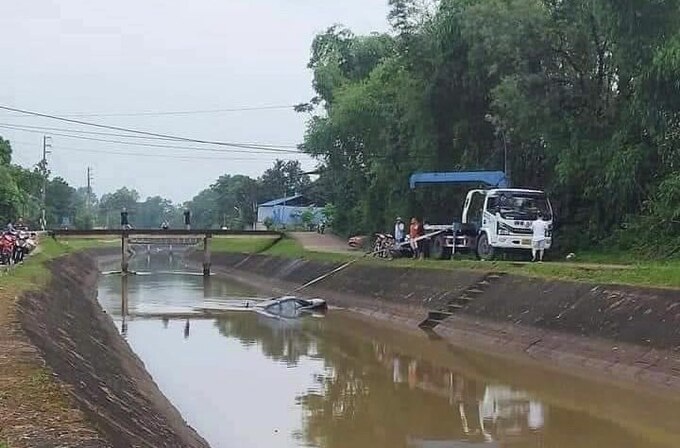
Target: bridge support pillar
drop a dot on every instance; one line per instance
(125, 256)
(206, 255)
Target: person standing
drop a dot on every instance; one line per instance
(414, 232)
(124, 221)
(399, 231)
(539, 229)
(187, 219)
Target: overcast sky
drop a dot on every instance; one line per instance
(91, 57)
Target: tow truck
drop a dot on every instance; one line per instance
(495, 218)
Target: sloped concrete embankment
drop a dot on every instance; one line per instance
(628, 333)
(106, 379)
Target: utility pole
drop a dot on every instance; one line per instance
(88, 200)
(46, 150)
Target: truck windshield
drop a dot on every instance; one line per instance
(520, 205)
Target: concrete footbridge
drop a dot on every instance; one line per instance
(179, 237)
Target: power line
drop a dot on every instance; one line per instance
(180, 112)
(17, 126)
(117, 128)
(246, 149)
(162, 156)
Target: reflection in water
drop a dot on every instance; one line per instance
(250, 380)
(123, 304)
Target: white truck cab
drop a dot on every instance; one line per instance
(495, 217)
(503, 218)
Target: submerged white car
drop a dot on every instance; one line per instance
(291, 306)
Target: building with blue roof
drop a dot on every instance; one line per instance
(286, 212)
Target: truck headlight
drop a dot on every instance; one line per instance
(503, 229)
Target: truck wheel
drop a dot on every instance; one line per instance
(485, 250)
(438, 249)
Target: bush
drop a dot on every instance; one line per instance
(656, 233)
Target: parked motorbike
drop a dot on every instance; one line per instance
(7, 248)
(22, 247)
(383, 244)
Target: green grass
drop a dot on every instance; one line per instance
(593, 267)
(245, 245)
(661, 274)
(33, 273)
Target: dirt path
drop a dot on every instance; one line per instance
(317, 242)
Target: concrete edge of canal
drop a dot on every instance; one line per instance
(82, 346)
(623, 334)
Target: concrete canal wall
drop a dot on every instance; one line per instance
(82, 346)
(626, 333)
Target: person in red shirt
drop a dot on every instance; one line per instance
(414, 231)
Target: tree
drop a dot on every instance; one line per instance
(10, 196)
(154, 211)
(283, 179)
(60, 202)
(204, 210)
(236, 200)
(111, 204)
(5, 152)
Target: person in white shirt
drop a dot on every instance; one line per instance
(399, 230)
(539, 228)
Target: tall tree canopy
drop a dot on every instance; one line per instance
(583, 96)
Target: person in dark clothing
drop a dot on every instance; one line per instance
(187, 219)
(124, 223)
(186, 329)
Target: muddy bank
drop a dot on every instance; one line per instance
(625, 332)
(107, 380)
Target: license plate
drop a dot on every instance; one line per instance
(526, 242)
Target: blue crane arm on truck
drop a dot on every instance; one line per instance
(494, 218)
(496, 179)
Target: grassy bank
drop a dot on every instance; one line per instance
(607, 268)
(30, 400)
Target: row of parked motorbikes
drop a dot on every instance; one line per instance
(15, 245)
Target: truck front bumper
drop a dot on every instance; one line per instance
(517, 242)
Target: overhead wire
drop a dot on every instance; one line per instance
(179, 112)
(245, 149)
(164, 156)
(121, 129)
(117, 134)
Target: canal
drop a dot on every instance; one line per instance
(242, 379)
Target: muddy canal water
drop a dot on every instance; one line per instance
(242, 379)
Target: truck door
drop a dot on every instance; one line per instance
(474, 208)
(489, 221)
